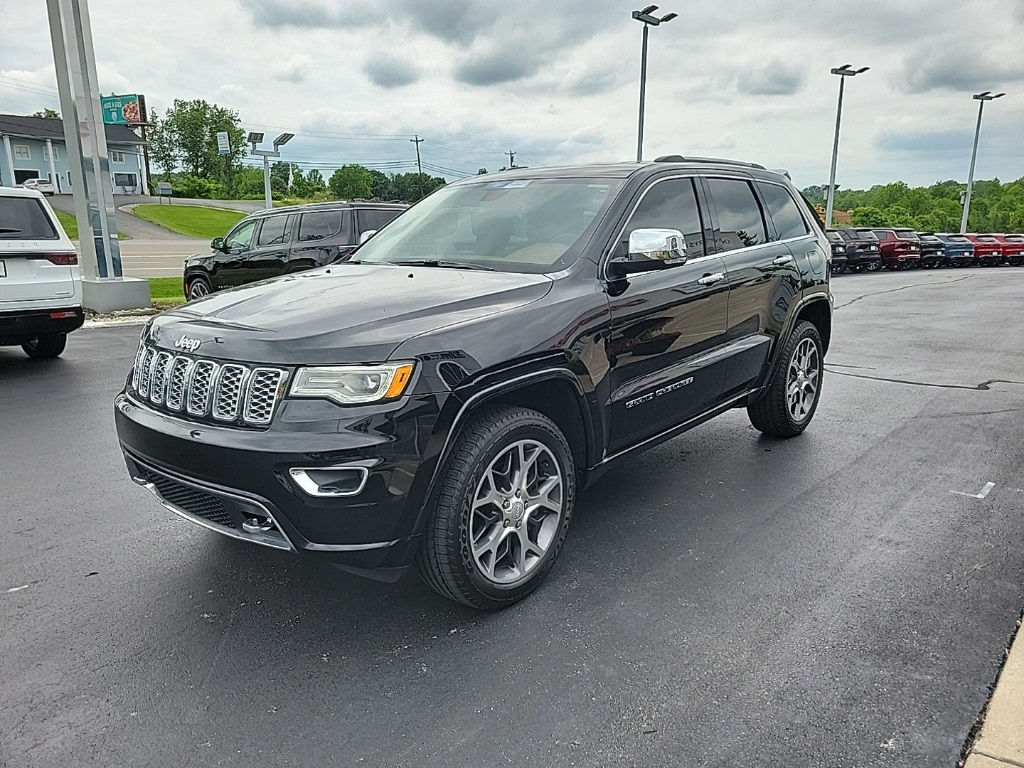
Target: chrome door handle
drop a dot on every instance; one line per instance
(711, 279)
(782, 261)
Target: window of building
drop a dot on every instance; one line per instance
(22, 152)
(116, 157)
(125, 180)
(740, 220)
(46, 154)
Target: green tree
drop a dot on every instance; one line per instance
(163, 151)
(49, 114)
(316, 181)
(190, 129)
(868, 216)
(381, 189)
(351, 181)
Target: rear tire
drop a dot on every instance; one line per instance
(46, 346)
(502, 510)
(838, 269)
(198, 287)
(788, 404)
(873, 266)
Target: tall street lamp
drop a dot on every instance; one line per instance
(648, 20)
(982, 98)
(254, 139)
(844, 72)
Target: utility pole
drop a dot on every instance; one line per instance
(982, 98)
(419, 164)
(511, 158)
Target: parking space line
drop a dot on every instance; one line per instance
(984, 492)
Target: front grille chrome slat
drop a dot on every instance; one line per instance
(206, 390)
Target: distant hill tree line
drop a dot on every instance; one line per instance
(183, 150)
(995, 207)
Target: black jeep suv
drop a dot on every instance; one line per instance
(442, 398)
(280, 241)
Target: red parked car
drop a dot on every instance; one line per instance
(1013, 249)
(901, 247)
(987, 250)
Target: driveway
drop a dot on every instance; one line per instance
(842, 599)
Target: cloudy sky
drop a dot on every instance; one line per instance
(558, 82)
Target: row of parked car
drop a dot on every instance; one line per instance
(870, 249)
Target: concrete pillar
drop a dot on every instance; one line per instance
(53, 168)
(9, 176)
(144, 185)
(104, 288)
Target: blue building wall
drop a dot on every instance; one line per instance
(30, 160)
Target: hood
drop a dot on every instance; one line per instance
(344, 313)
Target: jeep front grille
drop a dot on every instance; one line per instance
(224, 393)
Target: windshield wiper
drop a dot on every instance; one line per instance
(444, 264)
(9, 229)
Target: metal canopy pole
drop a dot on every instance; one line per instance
(88, 163)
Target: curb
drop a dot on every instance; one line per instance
(1001, 741)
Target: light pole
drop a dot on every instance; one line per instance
(648, 21)
(844, 72)
(982, 98)
(254, 139)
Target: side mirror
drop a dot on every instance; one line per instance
(367, 235)
(651, 249)
(217, 244)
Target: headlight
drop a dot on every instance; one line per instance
(352, 384)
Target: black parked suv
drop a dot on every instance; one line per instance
(933, 251)
(839, 257)
(280, 241)
(862, 249)
(442, 398)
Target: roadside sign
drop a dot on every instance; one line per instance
(223, 144)
(163, 189)
(124, 110)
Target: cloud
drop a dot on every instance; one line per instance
(588, 135)
(926, 142)
(390, 71)
(776, 78)
(502, 66)
(295, 70)
(959, 68)
(310, 14)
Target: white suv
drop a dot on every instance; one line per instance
(40, 284)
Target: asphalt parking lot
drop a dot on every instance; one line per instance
(841, 599)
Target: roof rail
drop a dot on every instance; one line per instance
(681, 159)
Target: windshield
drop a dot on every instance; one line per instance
(512, 225)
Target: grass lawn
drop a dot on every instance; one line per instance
(70, 224)
(190, 220)
(166, 291)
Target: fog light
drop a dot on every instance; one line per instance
(330, 481)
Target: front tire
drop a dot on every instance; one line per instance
(46, 346)
(788, 404)
(502, 510)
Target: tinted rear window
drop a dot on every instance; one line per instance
(783, 210)
(375, 219)
(957, 239)
(24, 218)
(740, 221)
(987, 239)
(321, 224)
(907, 234)
(1014, 238)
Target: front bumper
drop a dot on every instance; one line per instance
(17, 327)
(239, 481)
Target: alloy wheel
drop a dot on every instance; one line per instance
(803, 379)
(516, 512)
(197, 289)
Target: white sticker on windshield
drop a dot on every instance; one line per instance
(517, 184)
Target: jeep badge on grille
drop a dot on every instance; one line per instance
(190, 345)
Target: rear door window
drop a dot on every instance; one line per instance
(321, 225)
(740, 218)
(276, 230)
(375, 219)
(24, 218)
(784, 212)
